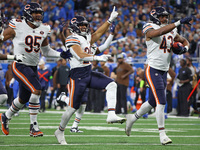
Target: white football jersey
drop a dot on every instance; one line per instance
(159, 48)
(28, 41)
(84, 43)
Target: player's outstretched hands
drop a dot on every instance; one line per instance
(102, 57)
(19, 58)
(112, 28)
(186, 20)
(113, 15)
(66, 54)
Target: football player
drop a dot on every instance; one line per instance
(159, 38)
(81, 75)
(29, 39)
(79, 113)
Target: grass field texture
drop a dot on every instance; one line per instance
(98, 135)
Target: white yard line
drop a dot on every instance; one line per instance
(96, 144)
(90, 113)
(124, 136)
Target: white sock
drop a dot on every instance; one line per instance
(146, 107)
(34, 106)
(66, 117)
(160, 117)
(111, 96)
(15, 107)
(3, 98)
(79, 114)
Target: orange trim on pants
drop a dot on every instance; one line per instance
(22, 78)
(148, 76)
(72, 88)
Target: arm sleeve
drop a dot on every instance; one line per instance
(106, 44)
(49, 52)
(90, 58)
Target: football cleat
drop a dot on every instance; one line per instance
(113, 118)
(33, 132)
(75, 130)
(129, 124)
(4, 123)
(60, 137)
(165, 140)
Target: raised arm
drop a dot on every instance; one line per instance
(163, 30)
(102, 29)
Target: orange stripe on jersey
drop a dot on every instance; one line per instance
(71, 40)
(22, 77)
(145, 29)
(151, 84)
(12, 26)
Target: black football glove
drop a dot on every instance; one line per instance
(66, 54)
(180, 50)
(186, 20)
(112, 27)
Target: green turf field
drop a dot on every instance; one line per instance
(98, 135)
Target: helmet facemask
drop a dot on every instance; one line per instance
(37, 20)
(83, 31)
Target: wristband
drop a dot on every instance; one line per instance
(177, 23)
(187, 48)
(10, 57)
(109, 21)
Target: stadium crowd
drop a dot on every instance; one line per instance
(128, 38)
(132, 16)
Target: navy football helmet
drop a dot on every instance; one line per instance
(33, 8)
(79, 21)
(156, 13)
